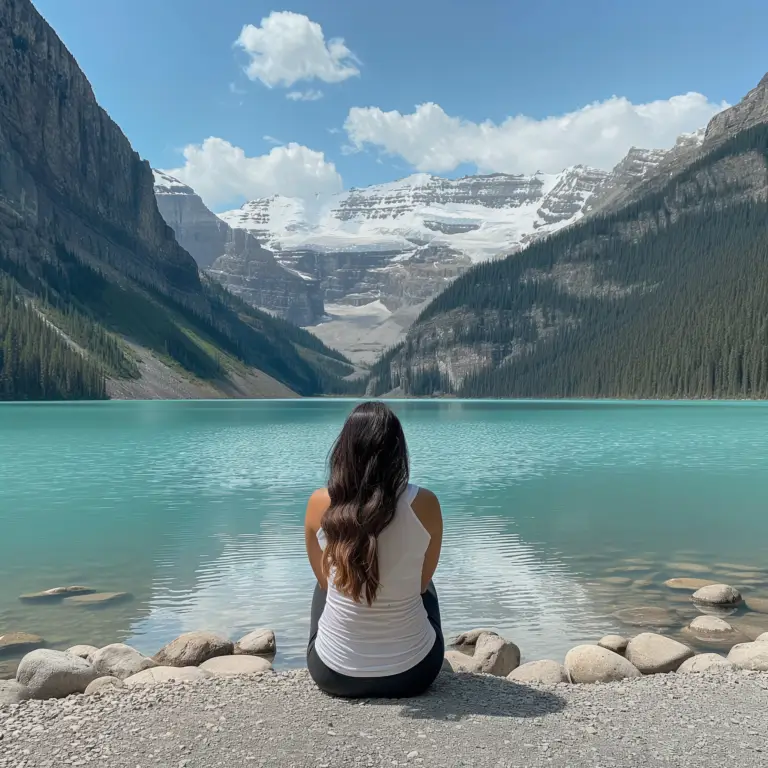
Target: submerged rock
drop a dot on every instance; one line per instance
(546, 672)
(234, 666)
(19, 642)
(491, 654)
(593, 664)
(99, 599)
(615, 643)
(652, 653)
(714, 629)
(757, 604)
(688, 585)
(54, 674)
(703, 662)
(120, 660)
(260, 642)
(648, 616)
(193, 648)
(57, 593)
(717, 594)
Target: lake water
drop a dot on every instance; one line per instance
(557, 514)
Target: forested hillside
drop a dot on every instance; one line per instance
(665, 298)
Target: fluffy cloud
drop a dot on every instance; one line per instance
(222, 174)
(599, 134)
(288, 48)
(308, 95)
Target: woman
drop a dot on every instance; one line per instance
(373, 541)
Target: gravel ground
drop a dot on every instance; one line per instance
(702, 721)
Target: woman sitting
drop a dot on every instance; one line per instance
(373, 542)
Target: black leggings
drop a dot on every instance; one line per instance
(412, 682)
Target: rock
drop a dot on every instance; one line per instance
(713, 629)
(120, 660)
(545, 672)
(101, 684)
(619, 581)
(193, 648)
(690, 567)
(19, 642)
(593, 664)
(12, 692)
(57, 593)
(99, 599)
(689, 585)
(491, 653)
(652, 653)
(717, 594)
(260, 642)
(233, 666)
(648, 616)
(54, 674)
(446, 666)
(762, 638)
(83, 651)
(750, 656)
(703, 662)
(757, 604)
(710, 625)
(166, 674)
(615, 643)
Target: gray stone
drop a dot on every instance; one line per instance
(648, 616)
(57, 593)
(99, 599)
(652, 653)
(120, 660)
(101, 684)
(193, 648)
(546, 672)
(54, 674)
(717, 594)
(757, 604)
(83, 651)
(490, 653)
(19, 642)
(12, 692)
(234, 666)
(593, 664)
(703, 662)
(615, 643)
(713, 629)
(155, 675)
(750, 656)
(688, 585)
(762, 638)
(260, 642)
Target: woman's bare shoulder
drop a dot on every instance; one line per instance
(426, 506)
(318, 503)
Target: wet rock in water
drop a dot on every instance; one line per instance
(593, 664)
(690, 567)
(648, 616)
(193, 648)
(234, 666)
(19, 642)
(751, 629)
(717, 595)
(619, 581)
(688, 585)
(752, 656)
(166, 674)
(101, 684)
(83, 651)
(652, 653)
(703, 662)
(120, 660)
(714, 629)
(643, 583)
(54, 674)
(615, 643)
(546, 672)
(57, 593)
(260, 642)
(12, 692)
(491, 654)
(99, 599)
(757, 604)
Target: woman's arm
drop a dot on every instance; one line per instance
(427, 509)
(318, 503)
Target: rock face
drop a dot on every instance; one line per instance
(652, 653)
(192, 649)
(490, 653)
(120, 660)
(235, 257)
(717, 594)
(593, 664)
(704, 662)
(545, 672)
(54, 674)
(260, 642)
(234, 666)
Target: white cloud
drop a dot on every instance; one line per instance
(222, 174)
(308, 95)
(599, 134)
(288, 48)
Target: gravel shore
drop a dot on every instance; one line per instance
(280, 719)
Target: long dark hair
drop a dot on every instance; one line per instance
(368, 471)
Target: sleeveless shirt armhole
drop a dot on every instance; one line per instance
(411, 493)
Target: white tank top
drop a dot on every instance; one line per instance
(393, 634)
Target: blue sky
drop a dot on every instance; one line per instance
(170, 74)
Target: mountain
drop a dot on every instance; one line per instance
(97, 298)
(666, 296)
(235, 257)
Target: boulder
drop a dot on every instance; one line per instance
(234, 666)
(712, 629)
(717, 594)
(260, 642)
(546, 672)
(99, 599)
(54, 674)
(615, 643)
(12, 692)
(490, 653)
(750, 656)
(120, 660)
(648, 616)
(193, 648)
(703, 662)
(593, 664)
(688, 585)
(101, 684)
(57, 593)
(762, 638)
(166, 674)
(652, 653)
(16, 643)
(757, 604)
(83, 651)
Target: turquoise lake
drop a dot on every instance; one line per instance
(557, 515)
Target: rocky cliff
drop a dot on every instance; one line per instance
(235, 257)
